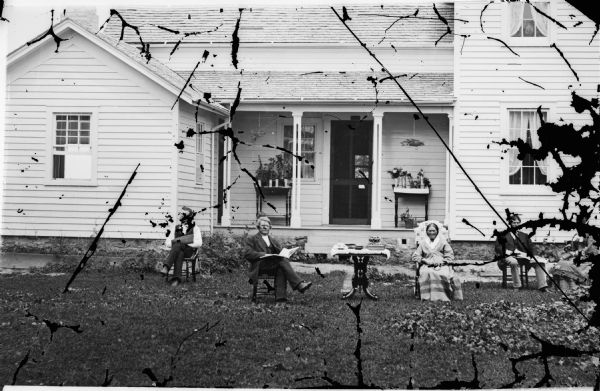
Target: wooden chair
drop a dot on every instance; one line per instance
(421, 234)
(523, 269)
(264, 284)
(189, 263)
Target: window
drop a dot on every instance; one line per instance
(199, 153)
(523, 124)
(71, 150)
(526, 21)
(307, 145)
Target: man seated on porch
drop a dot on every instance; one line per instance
(514, 249)
(261, 244)
(181, 235)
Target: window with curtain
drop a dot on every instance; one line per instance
(524, 125)
(307, 148)
(526, 21)
(199, 153)
(71, 150)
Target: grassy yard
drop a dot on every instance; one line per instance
(129, 322)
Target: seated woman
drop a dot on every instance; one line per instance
(182, 235)
(261, 244)
(436, 278)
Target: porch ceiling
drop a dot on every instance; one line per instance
(325, 86)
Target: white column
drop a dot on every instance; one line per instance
(376, 170)
(226, 217)
(450, 174)
(295, 220)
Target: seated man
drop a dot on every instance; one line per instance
(181, 235)
(262, 244)
(512, 249)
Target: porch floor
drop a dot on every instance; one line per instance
(322, 238)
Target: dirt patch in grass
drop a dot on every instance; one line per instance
(134, 325)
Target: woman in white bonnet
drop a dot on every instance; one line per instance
(436, 277)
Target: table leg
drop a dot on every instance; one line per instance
(362, 279)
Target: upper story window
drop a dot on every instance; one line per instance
(72, 149)
(526, 21)
(199, 153)
(307, 148)
(523, 124)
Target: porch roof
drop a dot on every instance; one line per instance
(325, 86)
(377, 25)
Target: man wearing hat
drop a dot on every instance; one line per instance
(261, 244)
(514, 249)
(183, 234)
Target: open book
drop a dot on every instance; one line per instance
(284, 253)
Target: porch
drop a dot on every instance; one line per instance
(343, 180)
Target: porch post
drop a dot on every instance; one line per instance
(295, 220)
(226, 217)
(376, 170)
(449, 175)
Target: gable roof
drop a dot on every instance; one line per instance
(289, 25)
(325, 86)
(154, 69)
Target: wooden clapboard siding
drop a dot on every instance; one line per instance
(189, 193)
(306, 59)
(134, 125)
(486, 78)
(431, 157)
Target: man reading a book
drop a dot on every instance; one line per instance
(264, 253)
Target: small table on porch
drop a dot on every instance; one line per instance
(360, 259)
(285, 191)
(400, 191)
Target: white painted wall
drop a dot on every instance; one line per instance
(486, 82)
(133, 124)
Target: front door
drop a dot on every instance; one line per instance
(350, 189)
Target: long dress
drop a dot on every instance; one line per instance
(437, 283)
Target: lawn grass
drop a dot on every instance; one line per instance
(130, 322)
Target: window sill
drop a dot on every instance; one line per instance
(527, 190)
(78, 183)
(528, 42)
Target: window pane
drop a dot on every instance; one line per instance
(78, 166)
(61, 125)
(528, 175)
(73, 125)
(61, 140)
(73, 118)
(84, 118)
(528, 28)
(58, 167)
(84, 133)
(84, 140)
(527, 11)
(515, 179)
(72, 140)
(85, 126)
(61, 117)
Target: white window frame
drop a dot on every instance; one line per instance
(528, 41)
(512, 189)
(312, 122)
(51, 138)
(199, 155)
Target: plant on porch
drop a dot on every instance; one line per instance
(276, 172)
(403, 178)
(409, 220)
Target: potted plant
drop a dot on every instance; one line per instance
(409, 221)
(404, 179)
(276, 172)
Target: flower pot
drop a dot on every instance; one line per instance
(410, 223)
